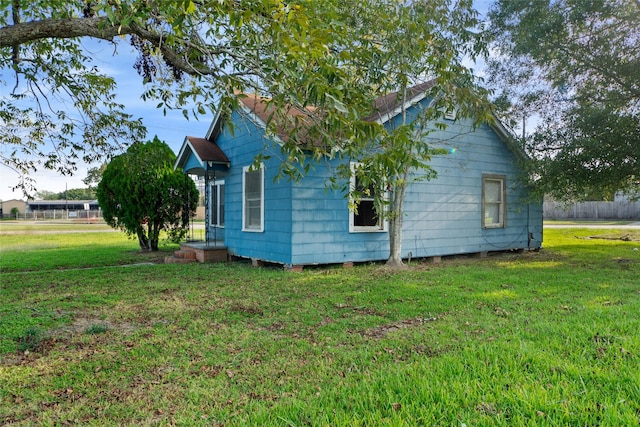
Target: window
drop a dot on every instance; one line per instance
(253, 199)
(216, 204)
(450, 115)
(493, 201)
(364, 218)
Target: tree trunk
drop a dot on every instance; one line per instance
(395, 228)
(395, 246)
(154, 235)
(397, 200)
(143, 240)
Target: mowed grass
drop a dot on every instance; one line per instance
(38, 247)
(540, 338)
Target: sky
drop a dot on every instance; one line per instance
(172, 128)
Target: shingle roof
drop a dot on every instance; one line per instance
(382, 106)
(207, 151)
(385, 105)
(260, 107)
(384, 109)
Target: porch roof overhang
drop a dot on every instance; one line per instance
(197, 156)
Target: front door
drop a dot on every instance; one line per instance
(216, 211)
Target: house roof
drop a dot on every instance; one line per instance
(390, 105)
(58, 201)
(261, 109)
(384, 107)
(206, 153)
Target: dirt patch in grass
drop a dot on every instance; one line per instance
(86, 325)
(248, 310)
(382, 330)
(62, 336)
(632, 236)
(487, 408)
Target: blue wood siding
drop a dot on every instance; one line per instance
(304, 223)
(442, 216)
(321, 225)
(274, 243)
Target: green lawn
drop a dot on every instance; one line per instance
(541, 338)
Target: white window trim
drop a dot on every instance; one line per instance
(503, 203)
(259, 229)
(451, 114)
(216, 183)
(382, 226)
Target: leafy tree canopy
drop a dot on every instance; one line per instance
(70, 194)
(389, 51)
(94, 175)
(60, 107)
(46, 195)
(141, 194)
(402, 50)
(328, 59)
(574, 63)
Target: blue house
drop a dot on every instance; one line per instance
(477, 203)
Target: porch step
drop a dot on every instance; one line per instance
(204, 252)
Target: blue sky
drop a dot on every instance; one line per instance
(171, 128)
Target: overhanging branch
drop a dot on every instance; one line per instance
(101, 28)
(24, 32)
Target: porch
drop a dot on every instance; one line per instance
(203, 158)
(214, 251)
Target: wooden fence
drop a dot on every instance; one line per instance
(619, 209)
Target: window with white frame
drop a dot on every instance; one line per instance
(252, 199)
(216, 204)
(451, 114)
(493, 201)
(363, 216)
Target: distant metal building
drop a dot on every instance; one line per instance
(6, 206)
(61, 205)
